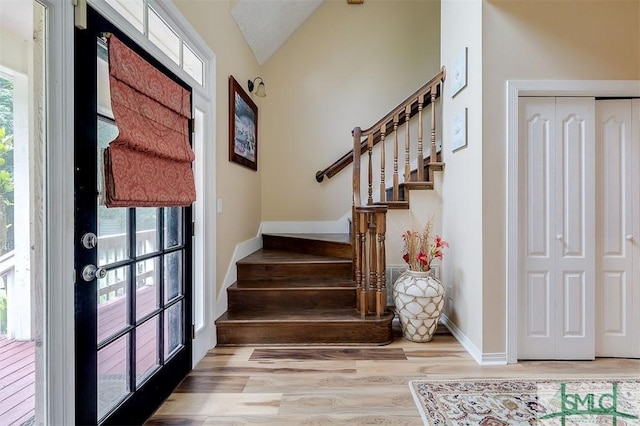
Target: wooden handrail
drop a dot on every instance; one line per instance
(432, 86)
(369, 214)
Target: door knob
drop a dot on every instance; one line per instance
(559, 237)
(91, 272)
(629, 237)
(89, 240)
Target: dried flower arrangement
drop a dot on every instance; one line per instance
(420, 249)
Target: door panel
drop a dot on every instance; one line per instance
(537, 313)
(617, 191)
(634, 242)
(573, 313)
(574, 227)
(132, 346)
(539, 317)
(556, 216)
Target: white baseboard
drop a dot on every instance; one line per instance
(497, 358)
(243, 249)
(340, 226)
(494, 358)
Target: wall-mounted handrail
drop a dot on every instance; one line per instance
(432, 87)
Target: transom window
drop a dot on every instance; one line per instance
(168, 38)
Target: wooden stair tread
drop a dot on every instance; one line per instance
(436, 165)
(299, 283)
(303, 316)
(267, 256)
(394, 205)
(416, 185)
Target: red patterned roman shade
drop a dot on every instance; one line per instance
(149, 163)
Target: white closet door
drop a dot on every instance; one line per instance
(556, 290)
(574, 223)
(536, 299)
(635, 241)
(617, 217)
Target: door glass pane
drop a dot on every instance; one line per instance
(131, 10)
(146, 230)
(172, 227)
(113, 241)
(191, 63)
(112, 302)
(146, 349)
(172, 275)
(163, 36)
(172, 329)
(113, 235)
(104, 95)
(147, 285)
(113, 372)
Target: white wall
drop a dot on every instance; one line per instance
(462, 268)
(510, 40)
(529, 40)
(238, 187)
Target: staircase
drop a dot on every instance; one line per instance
(299, 290)
(331, 289)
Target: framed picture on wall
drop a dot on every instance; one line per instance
(243, 127)
(459, 72)
(459, 130)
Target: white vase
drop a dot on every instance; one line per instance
(419, 300)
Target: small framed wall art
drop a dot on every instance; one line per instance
(459, 72)
(459, 130)
(243, 127)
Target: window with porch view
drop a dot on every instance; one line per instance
(6, 196)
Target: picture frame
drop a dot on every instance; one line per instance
(243, 127)
(459, 130)
(459, 72)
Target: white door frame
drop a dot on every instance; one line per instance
(59, 380)
(515, 89)
(59, 298)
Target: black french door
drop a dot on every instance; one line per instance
(133, 266)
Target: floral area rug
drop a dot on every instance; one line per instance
(507, 402)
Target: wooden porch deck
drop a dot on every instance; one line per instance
(17, 359)
(17, 381)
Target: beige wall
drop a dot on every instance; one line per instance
(238, 187)
(462, 178)
(527, 40)
(346, 66)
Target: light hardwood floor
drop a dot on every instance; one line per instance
(352, 385)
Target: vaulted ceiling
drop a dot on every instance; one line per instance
(267, 24)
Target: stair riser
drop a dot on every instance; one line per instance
(301, 245)
(296, 271)
(305, 283)
(304, 333)
(290, 299)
